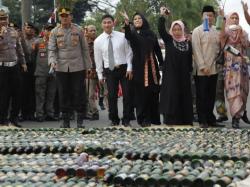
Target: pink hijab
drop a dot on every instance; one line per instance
(180, 23)
(234, 31)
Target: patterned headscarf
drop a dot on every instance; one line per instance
(180, 23)
(233, 30)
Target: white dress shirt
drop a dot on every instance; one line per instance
(122, 52)
(206, 46)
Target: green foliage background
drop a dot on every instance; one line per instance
(187, 10)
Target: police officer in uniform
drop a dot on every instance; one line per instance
(69, 55)
(11, 53)
(45, 85)
(28, 78)
(92, 79)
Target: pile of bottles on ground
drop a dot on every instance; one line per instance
(148, 157)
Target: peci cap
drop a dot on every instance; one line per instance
(208, 8)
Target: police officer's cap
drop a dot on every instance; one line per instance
(4, 12)
(64, 11)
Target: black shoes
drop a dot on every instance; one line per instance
(126, 124)
(221, 119)
(115, 123)
(235, 123)
(80, 123)
(101, 103)
(26, 118)
(51, 118)
(195, 118)
(79, 120)
(216, 125)
(94, 117)
(203, 125)
(40, 119)
(145, 124)
(245, 118)
(206, 125)
(14, 122)
(65, 124)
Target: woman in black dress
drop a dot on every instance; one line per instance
(175, 94)
(145, 46)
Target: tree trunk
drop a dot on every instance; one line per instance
(26, 10)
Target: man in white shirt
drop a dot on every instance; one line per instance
(206, 45)
(113, 57)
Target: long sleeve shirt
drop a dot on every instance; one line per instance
(68, 49)
(206, 46)
(10, 47)
(122, 52)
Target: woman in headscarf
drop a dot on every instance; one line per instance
(235, 69)
(175, 96)
(146, 56)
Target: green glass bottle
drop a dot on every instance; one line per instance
(71, 172)
(153, 180)
(119, 179)
(240, 173)
(110, 173)
(141, 180)
(224, 181)
(188, 181)
(129, 181)
(201, 178)
(219, 22)
(176, 180)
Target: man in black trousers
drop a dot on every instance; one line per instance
(69, 56)
(11, 53)
(113, 57)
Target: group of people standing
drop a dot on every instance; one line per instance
(186, 56)
(77, 62)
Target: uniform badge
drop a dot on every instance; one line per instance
(42, 54)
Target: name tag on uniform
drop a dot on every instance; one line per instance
(42, 54)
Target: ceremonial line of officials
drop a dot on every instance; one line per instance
(70, 59)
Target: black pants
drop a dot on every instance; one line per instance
(71, 87)
(131, 99)
(147, 104)
(10, 84)
(118, 75)
(205, 98)
(28, 104)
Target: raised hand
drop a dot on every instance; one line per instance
(244, 6)
(125, 16)
(164, 11)
(221, 12)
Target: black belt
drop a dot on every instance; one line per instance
(8, 64)
(118, 66)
